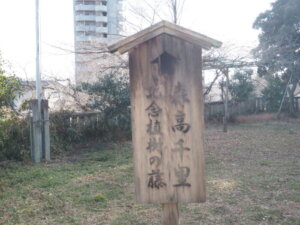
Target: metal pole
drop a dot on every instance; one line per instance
(37, 111)
(38, 57)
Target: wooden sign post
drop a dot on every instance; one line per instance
(167, 115)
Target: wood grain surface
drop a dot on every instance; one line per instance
(167, 121)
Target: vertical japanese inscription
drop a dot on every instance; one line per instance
(156, 161)
(180, 148)
(181, 125)
(155, 142)
(156, 180)
(182, 174)
(180, 96)
(153, 93)
(153, 127)
(179, 99)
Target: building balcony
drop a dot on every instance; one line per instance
(85, 28)
(102, 30)
(102, 8)
(81, 38)
(85, 18)
(101, 19)
(82, 7)
(86, 38)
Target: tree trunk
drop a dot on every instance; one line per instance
(225, 119)
(292, 100)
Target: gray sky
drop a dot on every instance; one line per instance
(229, 21)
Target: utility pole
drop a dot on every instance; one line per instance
(38, 57)
(36, 105)
(40, 136)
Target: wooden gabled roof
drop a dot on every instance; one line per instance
(164, 27)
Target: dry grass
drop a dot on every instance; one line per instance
(265, 117)
(253, 177)
(262, 117)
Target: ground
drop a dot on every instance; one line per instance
(252, 175)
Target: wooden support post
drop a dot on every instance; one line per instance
(167, 115)
(46, 131)
(170, 214)
(225, 118)
(36, 132)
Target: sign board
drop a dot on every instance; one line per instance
(167, 113)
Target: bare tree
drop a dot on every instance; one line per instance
(222, 61)
(149, 12)
(227, 57)
(176, 9)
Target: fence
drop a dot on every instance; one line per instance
(94, 119)
(297, 104)
(85, 118)
(76, 126)
(216, 109)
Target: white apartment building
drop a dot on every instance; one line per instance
(96, 22)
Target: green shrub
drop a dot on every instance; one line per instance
(14, 139)
(241, 86)
(109, 96)
(216, 117)
(273, 94)
(65, 130)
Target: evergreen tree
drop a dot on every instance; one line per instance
(241, 87)
(10, 89)
(278, 52)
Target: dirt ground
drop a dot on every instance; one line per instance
(252, 176)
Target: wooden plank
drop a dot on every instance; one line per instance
(201, 42)
(127, 47)
(128, 43)
(115, 46)
(190, 34)
(170, 214)
(167, 121)
(195, 41)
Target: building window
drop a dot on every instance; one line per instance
(88, 13)
(104, 13)
(104, 3)
(79, 13)
(105, 35)
(90, 23)
(89, 3)
(89, 34)
(79, 23)
(99, 13)
(104, 24)
(79, 33)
